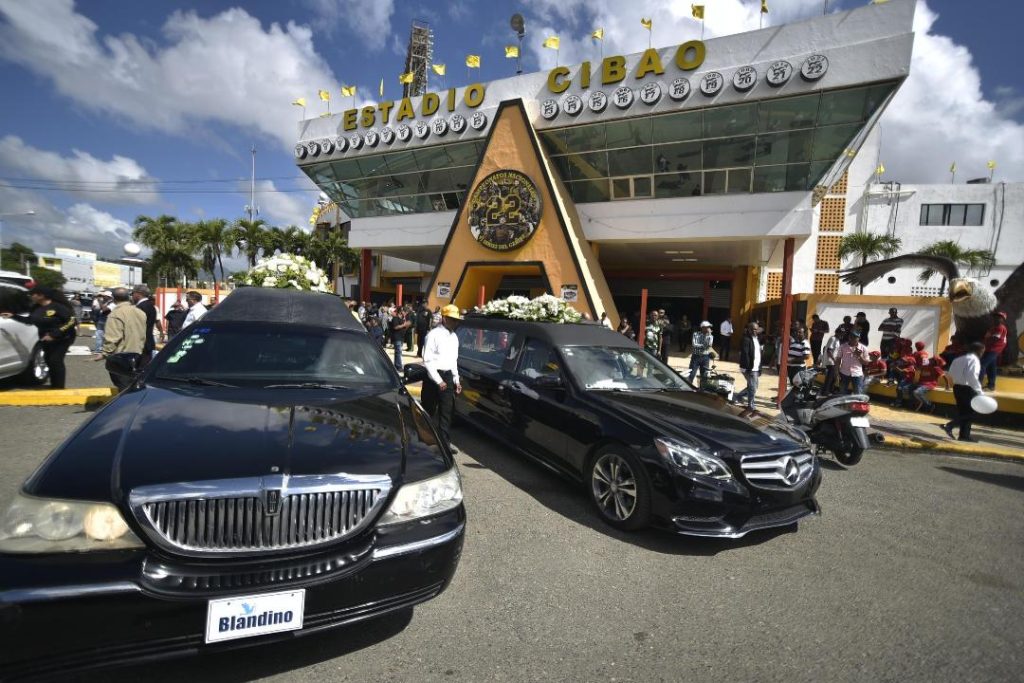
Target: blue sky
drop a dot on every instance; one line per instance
(97, 91)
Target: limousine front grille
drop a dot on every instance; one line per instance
(777, 470)
(258, 515)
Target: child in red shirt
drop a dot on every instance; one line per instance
(928, 377)
(905, 380)
(874, 369)
(920, 355)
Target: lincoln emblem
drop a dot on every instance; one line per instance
(272, 501)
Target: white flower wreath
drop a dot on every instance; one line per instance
(287, 271)
(545, 309)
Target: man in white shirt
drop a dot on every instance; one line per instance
(725, 337)
(964, 372)
(441, 358)
(196, 309)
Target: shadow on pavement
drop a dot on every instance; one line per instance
(1010, 481)
(261, 661)
(569, 499)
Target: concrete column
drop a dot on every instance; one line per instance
(787, 316)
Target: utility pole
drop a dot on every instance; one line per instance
(252, 188)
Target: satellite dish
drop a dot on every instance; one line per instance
(517, 23)
(132, 249)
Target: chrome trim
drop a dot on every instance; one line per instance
(394, 550)
(815, 512)
(217, 512)
(21, 595)
(777, 470)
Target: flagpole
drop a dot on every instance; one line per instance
(702, 28)
(952, 173)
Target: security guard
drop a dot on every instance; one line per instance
(55, 320)
(441, 358)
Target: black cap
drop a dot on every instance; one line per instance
(855, 333)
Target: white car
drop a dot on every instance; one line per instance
(21, 354)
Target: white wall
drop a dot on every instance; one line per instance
(920, 323)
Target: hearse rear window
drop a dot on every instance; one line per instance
(490, 347)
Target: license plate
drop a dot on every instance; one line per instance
(254, 615)
(859, 422)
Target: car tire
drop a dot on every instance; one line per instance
(37, 371)
(619, 488)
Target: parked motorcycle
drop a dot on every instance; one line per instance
(720, 383)
(833, 423)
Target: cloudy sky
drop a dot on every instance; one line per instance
(102, 94)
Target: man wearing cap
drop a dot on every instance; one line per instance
(700, 358)
(441, 358)
(852, 356)
(995, 343)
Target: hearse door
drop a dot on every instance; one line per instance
(482, 360)
(538, 394)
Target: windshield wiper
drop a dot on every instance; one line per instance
(308, 385)
(202, 381)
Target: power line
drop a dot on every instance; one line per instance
(148, 181)
(96, 190)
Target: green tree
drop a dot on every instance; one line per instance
(213, 238)
(18, 256)
(250, 237)
(173, 245)
(971, 259)
(868, 246)
(331, 252)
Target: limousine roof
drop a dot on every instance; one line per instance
(284, 306)
(556, 334)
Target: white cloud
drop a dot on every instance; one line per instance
(283, 208)
(226, 69)
(120, 180)
(940, 114)
(369, 21)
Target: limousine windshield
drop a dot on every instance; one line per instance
(605, 368)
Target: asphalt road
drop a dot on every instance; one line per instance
(915, 572)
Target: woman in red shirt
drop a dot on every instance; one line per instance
(995, 343)
(928, 377)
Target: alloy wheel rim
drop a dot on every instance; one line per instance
(614, 487)
(39, 367)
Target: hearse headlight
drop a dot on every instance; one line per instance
(692, 460)
(40, 525)
(425, 498)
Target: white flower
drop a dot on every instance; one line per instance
(270, 282)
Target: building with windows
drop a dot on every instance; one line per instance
(85, 272)
(710, 174)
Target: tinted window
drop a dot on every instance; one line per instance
(537, 360)
(489, 347)
(14, 300)
(601, 368)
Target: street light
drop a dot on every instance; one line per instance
(30, 212)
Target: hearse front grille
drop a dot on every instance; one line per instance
(258, 515)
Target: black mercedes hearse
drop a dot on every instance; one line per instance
(584, 401)
(267, 476)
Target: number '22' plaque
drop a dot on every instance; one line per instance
(504, 210)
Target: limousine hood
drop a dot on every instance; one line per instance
(706, 418)
(162, 435)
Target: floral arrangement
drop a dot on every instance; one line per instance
(287, 271)
(544, 309)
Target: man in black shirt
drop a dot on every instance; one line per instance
(175, 317)
(398, 326)
(862, 324)
(140, 297)
(423, 318)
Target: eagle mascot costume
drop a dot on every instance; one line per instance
(973, 302)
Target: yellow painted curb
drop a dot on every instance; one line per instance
(58, 397)
(958, 447)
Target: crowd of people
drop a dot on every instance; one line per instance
(400, 326)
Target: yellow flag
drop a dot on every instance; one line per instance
(697, 11)
(511, 51)
(325, 96)
(348, 90)
(991, 165)
(406, 77)
(646, 23)
(301, 102)
(551, 42)
(764, 6)
(381, 89)
(880, 170)
(598, 34)
(438, 69)
(952, 167)
(473, 61)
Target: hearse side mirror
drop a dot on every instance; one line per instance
(124, 365)
(414, 372)
(548, 381)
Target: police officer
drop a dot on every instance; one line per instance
(55, 319)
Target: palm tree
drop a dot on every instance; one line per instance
(213, 238)
(294, 240)
(971, 259)
(332, 249)
(868, 245)
(172, 244)
(250, 236)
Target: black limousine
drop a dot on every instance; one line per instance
(267, 476)
(584, 401)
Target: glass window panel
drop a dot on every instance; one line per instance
(629, 133)
(677, 185)
(842, 106)
(364, 187)
(462, 177)
(642, 186)
(406, 183)
(933, 214)
(798, 177)
(682, 156)
(437, 181)
(875, 96)
(430, 158)
(830, 142)
(770, 179)
(401, 162)
(589, 190)
(463, 154)
(320, 174)
(588, 166)
(553, 140)
(372, 165)
(784, 148)
(729, 152)
(818, 171)
(621, 188)
(584, 138)
(714, 182)
(957, 214)
(789, 113)
(675, 127)
(739, 180)
(630, 161)
(975, 214)
(562, 167)
(723, 121)
(345, 170)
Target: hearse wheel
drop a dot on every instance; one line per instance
(620, 489)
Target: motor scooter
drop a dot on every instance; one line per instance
(833, 423)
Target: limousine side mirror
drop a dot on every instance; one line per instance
(548, 381)
(414, 372)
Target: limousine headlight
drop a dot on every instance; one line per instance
(425, 498)
(692, 460)
(40, 525)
